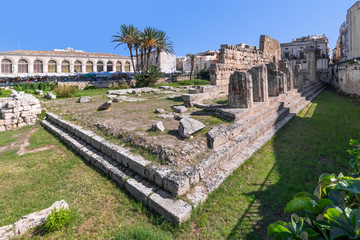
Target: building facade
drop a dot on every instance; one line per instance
(348, 46)
(166, 61)
(60, 61)
(202, 61)
(296, 51)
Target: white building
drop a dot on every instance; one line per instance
(295, 51)
(167, 61)
(203, 60)
(64, 61)
(349, 40)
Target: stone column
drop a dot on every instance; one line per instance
(311, 64)
(240, 90)
(298, 76)
(282, 82)
(284, 66)
(273, 79)
(260, 83)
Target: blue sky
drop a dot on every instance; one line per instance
(193, 25)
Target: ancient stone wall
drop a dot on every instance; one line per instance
(346, 78)
(18, 110)
(243, 57)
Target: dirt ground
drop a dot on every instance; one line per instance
(136, 118)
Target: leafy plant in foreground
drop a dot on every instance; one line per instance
(331, 212)
(57, 219)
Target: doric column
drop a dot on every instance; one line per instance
(260, 83)
(240, 90)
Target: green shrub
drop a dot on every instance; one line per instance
(57, 219)
(139, 233)
(31, 87)
(148, 78)
(5, 93)
(204, 74)
(90, 87)
(194, 82)
(331, 212)
(115, 86)
(65, 91)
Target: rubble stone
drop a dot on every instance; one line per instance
(240, 90)
(189, 126)
(84, 99)
(104, 106)
(158, 126)
(179, 109)
(50, 95)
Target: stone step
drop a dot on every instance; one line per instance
(150, 194)
(218, 174)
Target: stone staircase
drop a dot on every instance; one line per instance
(159, 187)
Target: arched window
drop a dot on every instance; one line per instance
(6, 66)
(78, 66)
(89, 66)
(127, 67)
(52, 66)
(65, 66)
(38, 66)
(118, 66)
(22, 66)
(100, 66)
(109, 66)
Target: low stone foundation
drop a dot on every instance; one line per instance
(18, 110)
(206, 93)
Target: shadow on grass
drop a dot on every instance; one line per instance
(313, 142)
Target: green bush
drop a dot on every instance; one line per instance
(139, 233)
(115, 86)
(148, 78)
(204, 74)
(31, 87)
(65, 91)
(194, 82)
(5, 93)
(331, 212)
(57, 219)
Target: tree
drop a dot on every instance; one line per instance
(192, 61)
(149, 43)
(163, 44)
(126, 35)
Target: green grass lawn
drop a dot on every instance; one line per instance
(255, 195)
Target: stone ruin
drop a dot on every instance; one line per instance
(243, 57)
(18, 110)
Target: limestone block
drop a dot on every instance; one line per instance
(6, 115)
(36, 106)
(158, 126)
(140, 189)
(189, 126)
(241, 90)
(282, 82)
(6, 110)
(27, 108)
(138, 164)
(84, 99)
(176, 183)
(273, 80)
(260, 83)
(11, 104)
(7, 121)
(2, 122)
(160, 174)
(2, 128)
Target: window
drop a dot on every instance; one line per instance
(302, 54)
(22, 66)
(52, 66)
(65, 66)
(78, 66)
(118, 66)
(286, 55)
(109, 66)
(38, 66)
(89, 66)
(100, 66)
(6, 66)
(205, 65)
(127, 67)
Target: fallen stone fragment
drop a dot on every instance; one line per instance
(30, 221)
(111, 96)
(39, 92)
(158, 126)
(117, 99)
(179, 109)
(104, 106)
(166, 116)
(193, 91)
(159, 110)
(189, 126)
(50, 95)
(84, 99)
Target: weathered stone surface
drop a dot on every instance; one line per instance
(39, 92)
(282, 82)
(284, 66)
(189, 126)
(273, 79)
(179, 109)
(241, 90)
(30, 221)
(260, 83)
(193, 91)
(104, 106)
(158, 126)
(50, 95)
(84, 99)
(159, 110)
(166, 116)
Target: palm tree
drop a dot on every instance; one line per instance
(149, 42)
(163, 44)
(126, 35)
(192, 61)
(137, 46)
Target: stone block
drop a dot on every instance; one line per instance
(260, 83)
(27, 108)
(176, 183)
(138, 164)
(6, 115)
(241, 90)
(273, 80)
(160, 174)
(140, 189)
